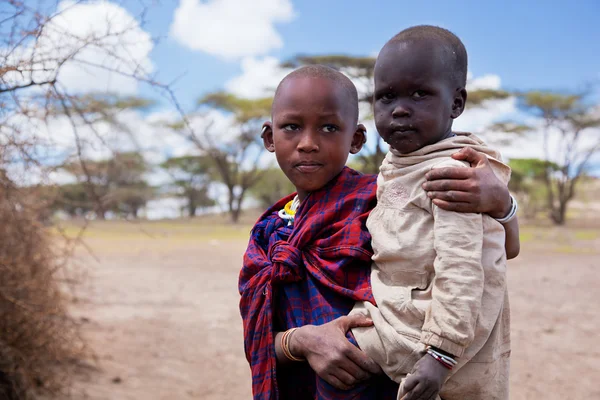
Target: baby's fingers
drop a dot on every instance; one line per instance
(410, 384)
(417, 393)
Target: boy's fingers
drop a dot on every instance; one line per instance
(354, 321)
(451, 196)
(345, 377)
(448, 173)
(354, 369)
(471, 156)
(443, 185)
(362, 360)
(454, 206)
(335, 382)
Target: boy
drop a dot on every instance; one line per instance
(307, 261)
(438, 277)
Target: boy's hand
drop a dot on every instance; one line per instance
(426, 379)
(331, 355)
(475, 189)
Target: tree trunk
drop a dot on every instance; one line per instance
(100, 213)
(235, 215)
(192, 208)
(235, 205)
(560, 214)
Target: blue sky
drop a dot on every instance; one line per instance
(238, 45)
(533, 44)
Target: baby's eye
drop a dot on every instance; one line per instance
(387, 96)
(290, 127)
(419, 94)
(330, 128)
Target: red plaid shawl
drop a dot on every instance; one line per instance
(309, 274)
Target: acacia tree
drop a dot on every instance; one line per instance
(527, 183)
(570, 138)
(234, 153)
(191, 176)
(115, 184)
(272, 186)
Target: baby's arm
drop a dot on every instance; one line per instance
(456, 298)
(458, 282)
(512, 244)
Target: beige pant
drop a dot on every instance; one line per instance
(484, 377)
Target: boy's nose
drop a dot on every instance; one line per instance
(308, 142)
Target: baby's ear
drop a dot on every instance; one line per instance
(267, 136)
(358, 139)
(458, 105)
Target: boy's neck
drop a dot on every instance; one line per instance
(302, 194)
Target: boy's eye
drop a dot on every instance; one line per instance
(290, 127)
(330, 128)
(419, 94)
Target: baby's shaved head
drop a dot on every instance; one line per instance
(455, 53)
(323, 72)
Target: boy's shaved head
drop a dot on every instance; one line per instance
(323, 72)
(455, 53)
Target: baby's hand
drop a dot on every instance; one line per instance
(426, 379)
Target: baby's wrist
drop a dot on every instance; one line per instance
(443, 358)
(510, 214)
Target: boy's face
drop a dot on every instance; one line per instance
(415, 99)
(312, 132)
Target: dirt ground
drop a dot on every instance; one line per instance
(159, 310)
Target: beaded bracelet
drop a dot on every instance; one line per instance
(285, 345)
(443, 359)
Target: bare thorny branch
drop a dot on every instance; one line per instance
(36, 354)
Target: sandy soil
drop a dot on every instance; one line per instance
(161, 316)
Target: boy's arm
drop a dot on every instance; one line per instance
(458, 283)
(475, 189)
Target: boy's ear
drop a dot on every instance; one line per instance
(359, 139)
(267, 136)
(458, 105)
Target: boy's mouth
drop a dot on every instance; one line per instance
(308, 166)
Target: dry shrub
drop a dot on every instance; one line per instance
(39, 342)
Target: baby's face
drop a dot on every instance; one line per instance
(415, 100)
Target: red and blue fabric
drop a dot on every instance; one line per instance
(309, 273)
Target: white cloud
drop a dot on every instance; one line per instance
(103, 43)
(476, 119)
(231, 28)
(531, 145)
(488, 81)
(259, 78)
